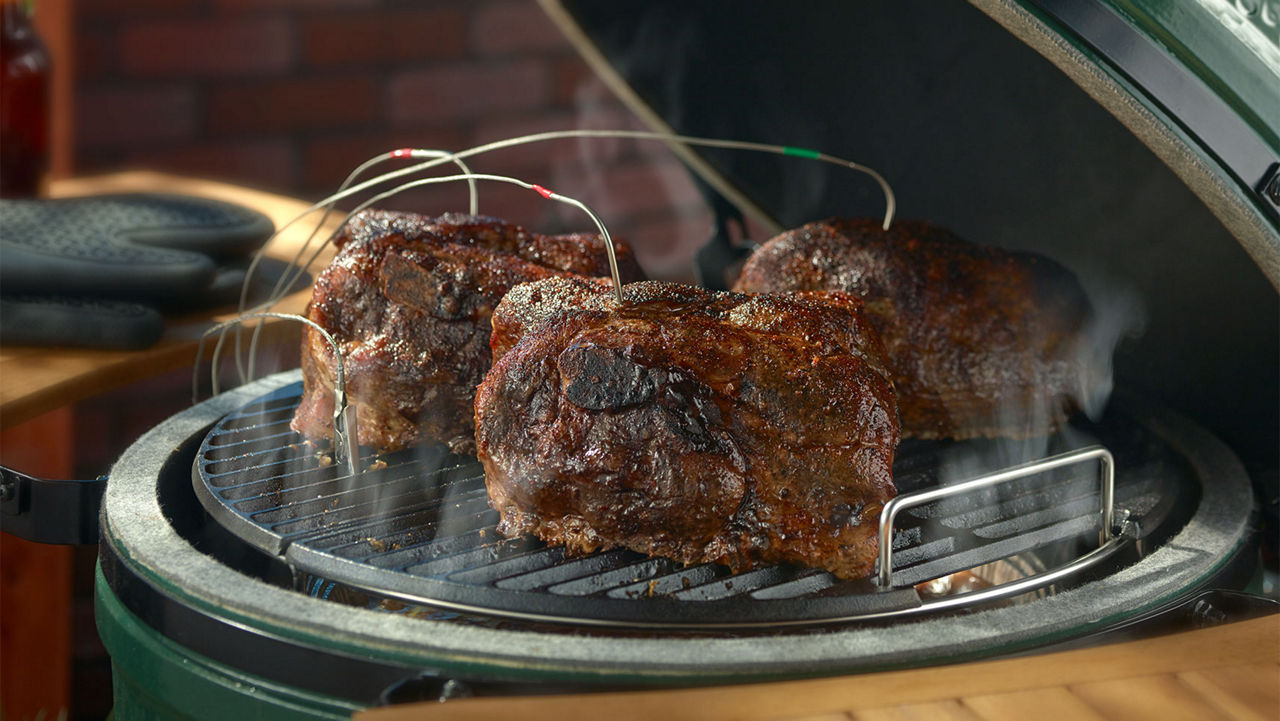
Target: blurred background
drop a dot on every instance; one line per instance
(288, 96)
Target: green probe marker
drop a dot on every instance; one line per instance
(801, 153)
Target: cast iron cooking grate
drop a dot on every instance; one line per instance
(416, 525)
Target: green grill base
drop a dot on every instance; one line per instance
(154, 678)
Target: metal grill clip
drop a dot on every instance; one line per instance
(1110, 537)
(346, 447)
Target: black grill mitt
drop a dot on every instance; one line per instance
(95, 271)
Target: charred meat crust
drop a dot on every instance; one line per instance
(408, 300)
(700, 426)
(982, 342)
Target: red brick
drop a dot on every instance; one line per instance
(90, 161)
(95, 55)
(137, 116)
(503, 201)
(289, 105)
(599, 108)
(665, 244)
(431, 200)
(635, 188)
(509, 202)
(466, 92)
(266, 164)
(655, 150)
(508, 28)
(347, 39)
(242, 46)
(309, 5)
(538, 157)
(104, 9)
(525, 207)
(552, 151)
(569, 77)
(596, 106)
(328, 160)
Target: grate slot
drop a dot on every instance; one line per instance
(1027, 491)
(281, 490)
(522, 563)
(808, 583)
(238, 471)
(906, 537)
(910, 575)
(735, 585)
(576, 568)
(229, 456)
(404, 554)
(940, 548)
(269, 492)
(916, 462)
(1009, 507)
(670, 583)
(642, 570)
(403, 529)
(1032, 519)
(249, 432)
(249, 417)
(332, 516)
(418, 523)
(486, 554)
(331, 493)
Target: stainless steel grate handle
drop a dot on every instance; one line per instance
(1110, 537)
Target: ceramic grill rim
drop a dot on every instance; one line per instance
(135, 525)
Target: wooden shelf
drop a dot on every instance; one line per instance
(35, 380)
(1228, 672)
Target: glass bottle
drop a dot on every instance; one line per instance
(24, 103)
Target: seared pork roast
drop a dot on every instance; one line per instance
(408, 299)
(981, 342)
(697, 425)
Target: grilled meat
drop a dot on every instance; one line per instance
(696, 425)
(408, 300)
(982, 342)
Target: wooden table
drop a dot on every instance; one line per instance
(38, 387)
(36, 380)
(1227, 673)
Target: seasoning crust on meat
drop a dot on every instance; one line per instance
(696, 425)
(982, 342)
(407, 298)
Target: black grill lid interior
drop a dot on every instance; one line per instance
(979, 133)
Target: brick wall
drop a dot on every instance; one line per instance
(290, 95)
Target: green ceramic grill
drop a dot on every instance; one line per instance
(241, 576)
